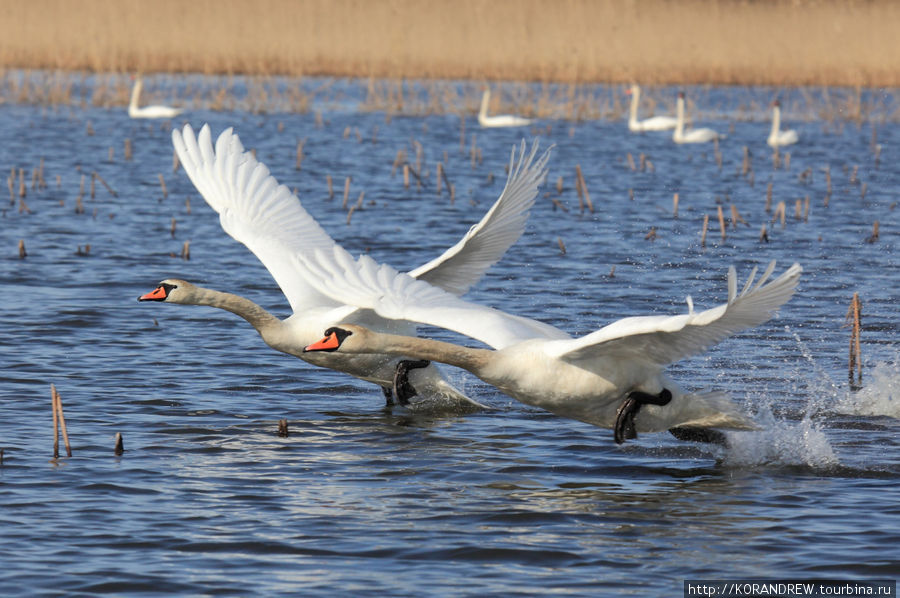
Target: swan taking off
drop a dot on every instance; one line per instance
(499, 120)
(613, 378)
(266, 217)
(654, 123)
(155, 111)
(777, 137)
(694, 135)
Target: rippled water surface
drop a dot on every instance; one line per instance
(358, 500)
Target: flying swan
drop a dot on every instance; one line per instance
(777, 137)
(612, 378)
(654, 123)
(271, 222)
(155, 111)
(498, 120)
(694, 135)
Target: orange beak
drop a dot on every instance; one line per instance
(159, 294)
(329, 343)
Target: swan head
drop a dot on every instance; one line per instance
(170, 290)
(345, 338)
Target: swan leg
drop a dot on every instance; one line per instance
(708, 435)
(403, 390)
(388, 396)
(624, 428)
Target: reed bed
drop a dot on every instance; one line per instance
(805, 42)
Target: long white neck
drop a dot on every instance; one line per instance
(259, 318)
(635, 100)
(776, 120)
(136, 93)
(473, 360)
(679, 117)
(485, 100)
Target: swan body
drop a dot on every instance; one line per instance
(498, 120)
(694, 135)
(270, 221)
(583, 378)
(777, 137)
(654, 123)
(154, 111)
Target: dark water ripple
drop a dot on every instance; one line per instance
(207, 499)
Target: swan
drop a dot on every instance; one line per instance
(500, 120)
(654, 123)
(777, 137)
(694, 135)
(267, 218)
(156, 111)
(603, 378)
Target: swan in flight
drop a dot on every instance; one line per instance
(270, 221)
(777, 137)
(156, 111)
(654, 123)
(499, 120)
(694, 135)
(603, 378)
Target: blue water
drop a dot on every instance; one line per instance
(362, 501)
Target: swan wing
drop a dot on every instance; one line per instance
(665, 339)
(396, 296)
(253, 208)
(462, 265)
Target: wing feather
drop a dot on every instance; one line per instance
(665, 339)
(463, 264)
(396, 296)
(253, 208)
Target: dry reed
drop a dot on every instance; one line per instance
(854, 315)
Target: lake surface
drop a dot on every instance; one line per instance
(359, 500)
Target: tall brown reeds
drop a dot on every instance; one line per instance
(829, 43)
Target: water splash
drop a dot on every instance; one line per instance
(780, 443)
(880, 396)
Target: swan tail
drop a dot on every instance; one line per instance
(714, 409)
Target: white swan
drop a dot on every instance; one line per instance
(777, 137)
(694, 135)
(654, 123)
(499, 120)
(266, 217)
(155, 111)
(602, 378)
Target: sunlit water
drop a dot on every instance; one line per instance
(207, 499)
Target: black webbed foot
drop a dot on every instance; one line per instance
(403, 390)
(708, 435)
(624, 428)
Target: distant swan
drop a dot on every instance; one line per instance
(694, 135)
(270, 220)
(655, 123)
(777, 137)
(603, 378)
(156, 111)
(500, 120)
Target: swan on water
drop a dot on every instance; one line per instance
(270, 221)
(694, 135)
(654, 123)
(613, 377)
(777, 137)
(499, 120)
(154, 111)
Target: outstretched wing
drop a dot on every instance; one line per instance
(665, 339)
(462, 265)
(396, 296)
(253, 208)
